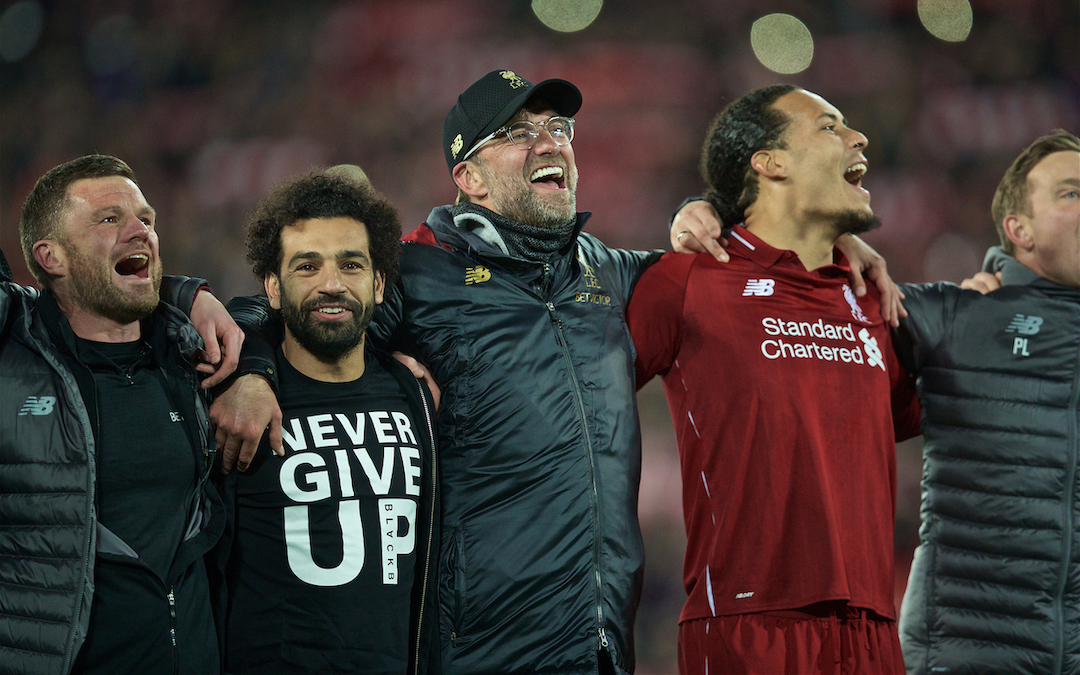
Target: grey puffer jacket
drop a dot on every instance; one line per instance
(49, 534)
(995, 584)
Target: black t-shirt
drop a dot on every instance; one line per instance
(322, 567)
(146, 469)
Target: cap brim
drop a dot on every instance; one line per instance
(563, 97)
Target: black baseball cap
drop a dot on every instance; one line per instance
(491, 101)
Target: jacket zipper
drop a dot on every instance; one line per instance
(1068, 524)
(600, 633)
(91, 520)
(172, 629)
(431, 529)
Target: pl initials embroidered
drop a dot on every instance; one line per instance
(38, 405)
(759, 287)
(476, 275)
(1025, 325)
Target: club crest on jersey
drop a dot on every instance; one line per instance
(476, 275)
(759, 287)
(856, 311)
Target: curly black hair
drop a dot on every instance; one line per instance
(745, 126)
(323, 194)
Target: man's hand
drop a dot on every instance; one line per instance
(219, 332)
(866, 261)
(983, 282)
(420, 372)
(240, 414)
(696, 229)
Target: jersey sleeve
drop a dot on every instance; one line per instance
(655, 314)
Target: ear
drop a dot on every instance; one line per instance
(468, 179)
(273, 289)
(380, 287)
(52, 257)
(1018, 230)
(769, 163)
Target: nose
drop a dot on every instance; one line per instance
(859, 141)
(330, 281)
(135, 228)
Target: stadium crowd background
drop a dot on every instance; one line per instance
(213, 102)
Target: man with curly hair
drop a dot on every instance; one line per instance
(789, 478)
(328, 564)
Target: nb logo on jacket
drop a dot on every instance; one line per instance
(476, 275)
(38, 405)
(1025, 325)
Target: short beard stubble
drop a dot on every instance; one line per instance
(92, 289)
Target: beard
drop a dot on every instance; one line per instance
(856, 222)
(514, 198)
(328, 341)
(92, 288)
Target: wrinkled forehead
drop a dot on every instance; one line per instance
(105, 191)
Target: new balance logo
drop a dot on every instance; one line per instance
(38, 405)
(476, 275)
(1025, 325)
(759, 287)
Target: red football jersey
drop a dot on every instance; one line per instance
(784, 391)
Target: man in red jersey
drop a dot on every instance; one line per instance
(789, 481)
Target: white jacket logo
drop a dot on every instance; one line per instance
(38, 405)
(1025, 325)
(759, 287)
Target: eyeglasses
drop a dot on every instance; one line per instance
(524, 134)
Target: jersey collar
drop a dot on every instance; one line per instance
(746, 244)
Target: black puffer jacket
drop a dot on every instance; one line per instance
(49, 536)
(995, 584)
(539, 446)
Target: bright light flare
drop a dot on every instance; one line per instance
(567, 16)
(948, 20)
(782, 43)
